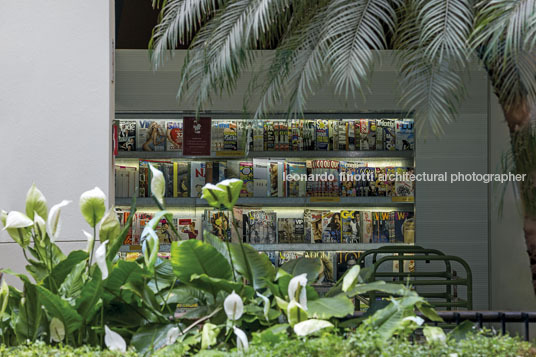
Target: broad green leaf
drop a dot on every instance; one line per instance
(73, 283)
(57, 307)
(37, 269)
(217, 243)
(307, 327)
(434, 334)
(4, 297)
(92, 206)
(252, 265)
(110, 227)
(379, 285)
(164, 275)
(86, 304)
(328, 307)
(350, 278)
(185, 295)
(36, 202)
(311, 266)
(60, 271)
(195, 257)
(209, 335)
(460, 332)
(150, 338)
(428, 311)
(207, 283)
(123, 273)
(282, 304)
(30, 314)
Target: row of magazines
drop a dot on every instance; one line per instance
(263, 226)
(272, 135)
(269, 178)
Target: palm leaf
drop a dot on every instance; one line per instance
(355, 29)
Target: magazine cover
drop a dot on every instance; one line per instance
(258, 136)
(174, 135)
(262, 227)
(351, 226)
(380, 186)
(230, 136)
(296, 188)
(290, 230)
(404, 187)
(366, 226)
(246, 175)
(389, 182)
(368, 185)
(126, 137)
(164, 231)
(380, 134)
(364, 134)
(331, 227)
(140, 221)
(197, 178)
(351, 134)
(151, 135)
(342, 136)
(313, 225)
(371, 135)
(383, 228)
(389, 134)
(181, 179)
(260, 178)
(322, 135)
(269, 136)
(219, 224)
(188, 228)
(405, 136)
(404, 227)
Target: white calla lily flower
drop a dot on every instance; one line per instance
(17, 219)
(242, 343)
(100, 259)
(418, 320)
(233, 306)
(53, 221)
(92, 206)
(308, 327)
(57, 330)
(266, 305)
(40, 227)
(90, 240)
(298, 282)
(158, 184)
(114, 341)
(172, 335)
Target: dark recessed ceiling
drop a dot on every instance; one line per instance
(134, 21)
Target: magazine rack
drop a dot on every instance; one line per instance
(290, 206)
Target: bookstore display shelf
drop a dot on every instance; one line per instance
(152, 155)
(298, 247)
(185, 202)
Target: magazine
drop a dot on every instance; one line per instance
(126, 136)
(174, 135)
(151, 135)
(351, 226)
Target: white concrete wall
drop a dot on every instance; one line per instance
(55, 108)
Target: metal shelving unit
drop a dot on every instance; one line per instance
(161, 155)
(384, 202)
(335, 247)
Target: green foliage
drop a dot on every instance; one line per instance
(230, 290)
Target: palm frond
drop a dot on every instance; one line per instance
(444, 28)
(178, 22)
(432, 90)
(428, 57)
(503, 24)
(354, 29)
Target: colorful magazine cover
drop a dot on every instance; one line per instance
(331, 227)
(151, 135)
(188, 228)
(404, 227)
(383, 227)
(404, 186)
(366, 226)
(351, 226)
(405, 135)
(126, 136)
(197, 178)
(246, 175)
(219, 224)
(230, 136)
(174, 135)
(322, 135)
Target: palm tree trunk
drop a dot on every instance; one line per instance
(521, 120)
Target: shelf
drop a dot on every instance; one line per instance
(160, 155)
(386, 202)
(333, 247)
